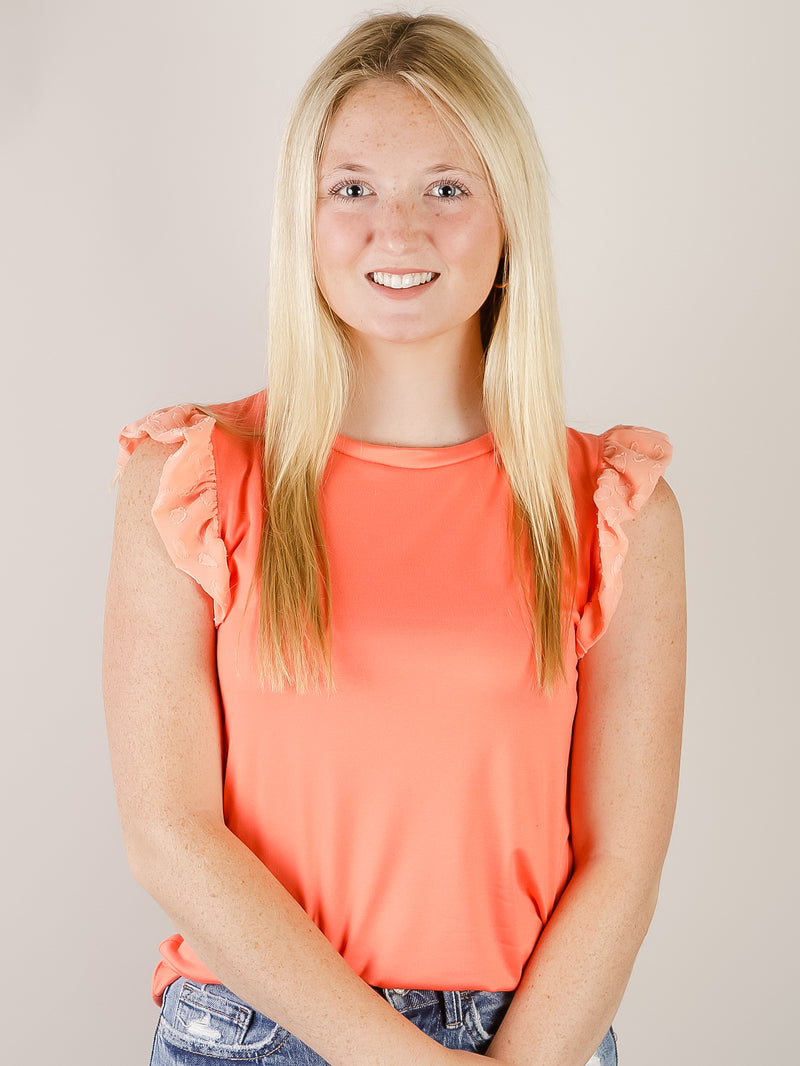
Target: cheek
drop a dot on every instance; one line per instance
(491, 242)
(338, 240)
(477, 246)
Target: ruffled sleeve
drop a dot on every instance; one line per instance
(186, 511)
(632, 460)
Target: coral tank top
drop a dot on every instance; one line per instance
(419, 814)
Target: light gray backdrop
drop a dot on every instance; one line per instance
(138, 142)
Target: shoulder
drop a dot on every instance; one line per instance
(143, 471)
(192, 425)
(636, 455)
(145, 586)
(613, 474)
(659, 519)
(655, 539)
(648, 619)
(171, 463)
(625, 514)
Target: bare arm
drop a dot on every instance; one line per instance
(624, 777)
(160, 688)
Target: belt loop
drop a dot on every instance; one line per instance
(453, 1013)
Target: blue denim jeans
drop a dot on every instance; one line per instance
(203, 1024)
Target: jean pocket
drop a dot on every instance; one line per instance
(483, 1013)
(209, 1020)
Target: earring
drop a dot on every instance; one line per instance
(501, 269)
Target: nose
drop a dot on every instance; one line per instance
(398, 223)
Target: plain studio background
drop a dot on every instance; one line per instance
(138, 143)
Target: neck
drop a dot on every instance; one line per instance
(417, 396)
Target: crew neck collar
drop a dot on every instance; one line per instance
(419, 458)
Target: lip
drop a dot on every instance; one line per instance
(409, 293)
(402, 270)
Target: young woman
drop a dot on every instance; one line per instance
(393, 747)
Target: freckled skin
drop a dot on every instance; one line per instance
(391, 143)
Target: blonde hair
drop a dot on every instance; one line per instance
(311, 357)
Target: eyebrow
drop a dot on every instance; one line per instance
(438, 168)
(443, 168)
(357, 168)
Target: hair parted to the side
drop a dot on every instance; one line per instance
(311, 357)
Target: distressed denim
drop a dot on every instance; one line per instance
(205, 1024)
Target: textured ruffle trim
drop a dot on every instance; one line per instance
(185, 510)
(632, 462)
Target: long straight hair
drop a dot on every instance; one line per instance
(311, 356)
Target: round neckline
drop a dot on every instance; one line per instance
(419, 458)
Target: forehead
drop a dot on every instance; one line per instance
(383, 117)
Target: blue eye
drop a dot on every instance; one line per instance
(448, 190)
(349, 190)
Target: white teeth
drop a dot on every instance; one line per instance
(401, 281)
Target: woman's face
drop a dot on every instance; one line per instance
(407, 236)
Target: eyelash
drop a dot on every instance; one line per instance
(347, 182)
(456, 184)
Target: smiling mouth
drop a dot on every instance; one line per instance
(401, 281)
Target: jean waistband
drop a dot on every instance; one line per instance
(450, 1003)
